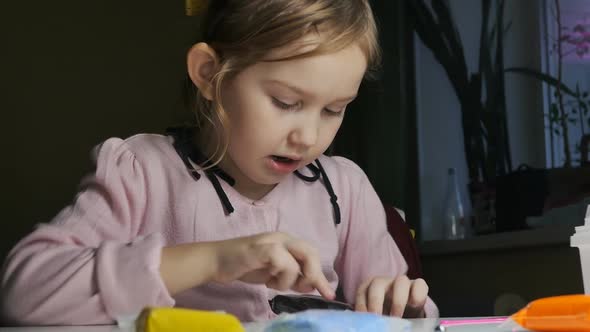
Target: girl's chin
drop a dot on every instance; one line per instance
(268, 179)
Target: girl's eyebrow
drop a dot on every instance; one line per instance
(302, 92)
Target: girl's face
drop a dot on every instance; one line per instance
(284, 114)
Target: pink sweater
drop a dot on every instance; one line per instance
(99, 257)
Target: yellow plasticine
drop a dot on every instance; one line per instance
(186, 320)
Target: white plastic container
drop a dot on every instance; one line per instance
(581, 240)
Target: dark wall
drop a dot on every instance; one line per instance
(74, 73)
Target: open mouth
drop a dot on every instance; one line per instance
(284, 164)
(282, 159)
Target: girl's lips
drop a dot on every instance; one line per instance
(283, 167)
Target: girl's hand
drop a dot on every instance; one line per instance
(275, 259)
(393, 296)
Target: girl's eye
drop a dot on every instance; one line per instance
(334, 113)
(289, 107)
(283, 105)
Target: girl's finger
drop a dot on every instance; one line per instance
(376, 294)
(302, 285)
(260, 276)
(361, 297)
(399, 295)
(311, 267)
(417, 299)
(285, 270)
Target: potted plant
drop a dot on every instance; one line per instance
(570, 180)
(569, 107)
(483, 115)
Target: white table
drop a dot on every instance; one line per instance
(418, 325)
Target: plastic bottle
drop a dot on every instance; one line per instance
(454, 219)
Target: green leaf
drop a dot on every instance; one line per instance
(552, 81)
(442, 41)
(507, 28)
(554, 111)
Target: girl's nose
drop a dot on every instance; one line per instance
(305, 132)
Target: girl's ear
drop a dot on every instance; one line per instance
(202, 62)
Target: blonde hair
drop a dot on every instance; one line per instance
(243, 32)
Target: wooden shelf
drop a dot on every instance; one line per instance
(546, 236)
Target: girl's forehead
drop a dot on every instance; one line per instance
(305, 47)
(348, 56)
(337, 74)
(306, 44)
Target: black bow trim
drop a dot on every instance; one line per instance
(183, 143)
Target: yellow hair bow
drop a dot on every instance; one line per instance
(195, 7)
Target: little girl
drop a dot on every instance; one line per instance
(244, 206)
